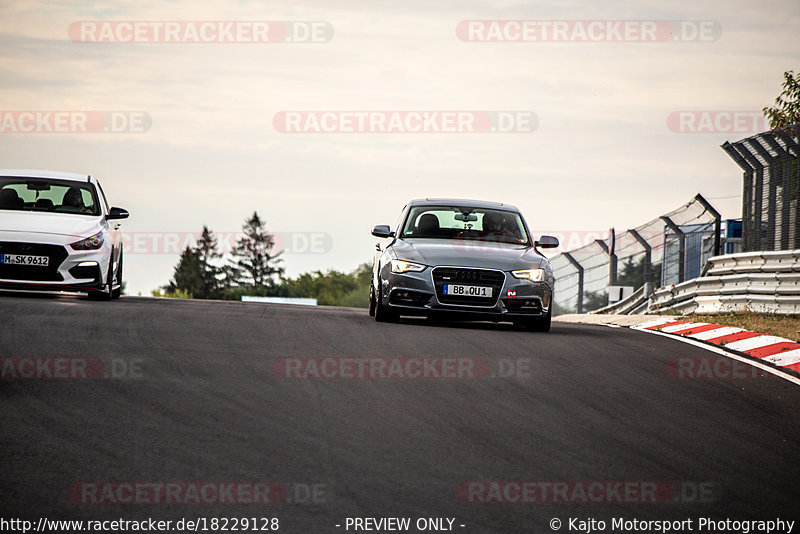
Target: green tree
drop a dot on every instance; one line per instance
(359, 296)
(195, 275)
(558, 309)
(254, 262)
(188, 277)
(333, 288)
(785, 114)
(632, 273)
(594, 300)
(165, 292)
(207, 249)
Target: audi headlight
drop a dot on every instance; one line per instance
(534, 275)
(401, 266)
(90, 243)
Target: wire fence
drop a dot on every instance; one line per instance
(667, 250)
(771, 165)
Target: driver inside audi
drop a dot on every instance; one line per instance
(494, 223)
(496, 227)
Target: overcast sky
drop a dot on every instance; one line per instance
(603, 152)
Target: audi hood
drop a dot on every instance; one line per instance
(465, 253)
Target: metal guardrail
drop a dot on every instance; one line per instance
(755, 262)
(759, 281)
(625, 306)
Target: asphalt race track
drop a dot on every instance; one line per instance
(191, 393)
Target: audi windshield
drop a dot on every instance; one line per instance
(458, 222)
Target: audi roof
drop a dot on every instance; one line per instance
(458, 202)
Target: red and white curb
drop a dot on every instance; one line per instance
(782, 354)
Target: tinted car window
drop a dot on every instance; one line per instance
(443, 222)
(59, 196)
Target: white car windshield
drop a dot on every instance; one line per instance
(49, 195)
(458, 222)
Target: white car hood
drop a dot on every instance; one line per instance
(25, 225)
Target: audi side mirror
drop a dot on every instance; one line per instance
(547, 241)
(382, 230)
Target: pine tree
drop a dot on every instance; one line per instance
(188, 275)
(254, 262)
(207, 252)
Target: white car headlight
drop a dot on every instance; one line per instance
(90, 243)
(401, 266)
(534, 275)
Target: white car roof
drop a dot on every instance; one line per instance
(36, 173)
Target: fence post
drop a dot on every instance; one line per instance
(747, 194)
(768, 176)
(612, 262)
(681, 249)
(648, 263)
(717, 222)
(612, 257)
(785, 173)
(579, 268)
(751, 230)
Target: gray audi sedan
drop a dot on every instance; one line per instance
(462, 259)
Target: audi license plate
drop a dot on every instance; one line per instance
(22, 259)
(467, 291)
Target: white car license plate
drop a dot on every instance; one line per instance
(467, 291)
(22, 259)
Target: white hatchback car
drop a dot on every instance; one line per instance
(58, 233)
